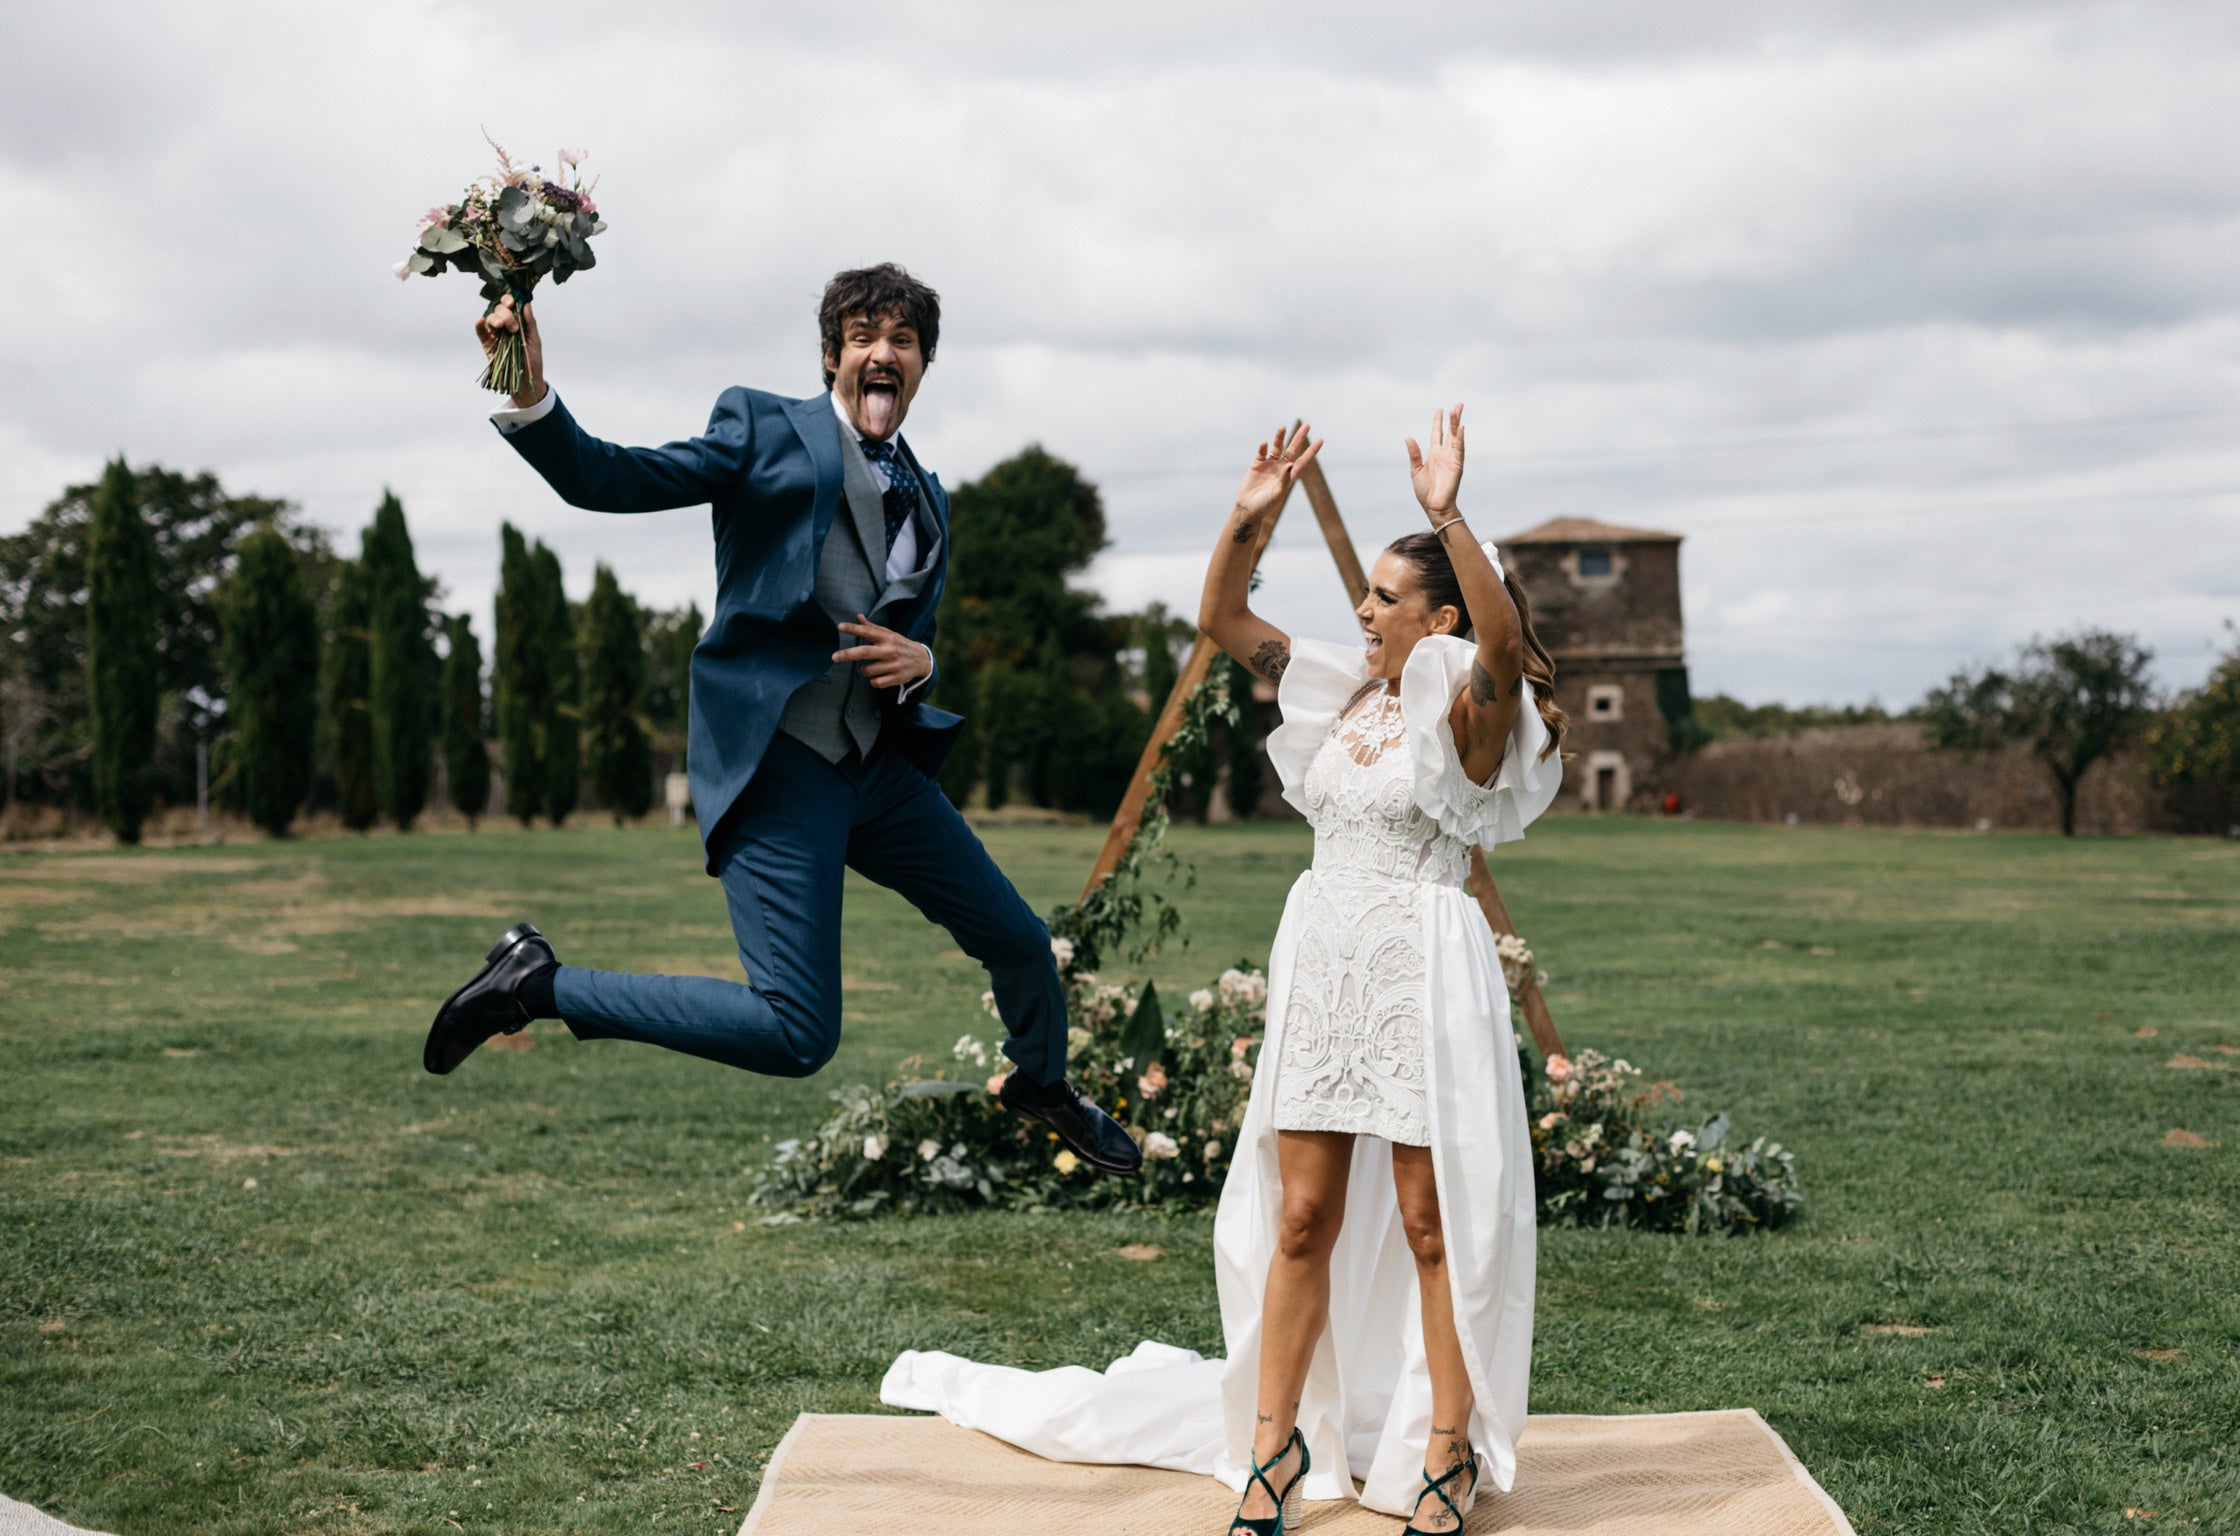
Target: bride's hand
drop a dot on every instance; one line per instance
(1437, 474)
(1275, 466)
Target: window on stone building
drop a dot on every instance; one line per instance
(1594, 562)
(1606, 701)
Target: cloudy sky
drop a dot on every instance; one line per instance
(1919, 320)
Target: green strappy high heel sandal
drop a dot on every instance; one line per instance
(1437, 1487)
(1280, 1521)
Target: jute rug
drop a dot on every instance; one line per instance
(1665, 1474)
(22, 1520)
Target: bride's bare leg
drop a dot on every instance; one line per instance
(1297, 1300)
(1418, 1190)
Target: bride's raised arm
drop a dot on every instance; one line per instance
(1485, 711)
(1225, 607)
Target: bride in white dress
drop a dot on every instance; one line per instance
(1375, 1239)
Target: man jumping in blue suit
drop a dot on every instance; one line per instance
(810, 754)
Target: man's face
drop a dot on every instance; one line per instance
(877, 372)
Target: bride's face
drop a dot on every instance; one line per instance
(1396, 614)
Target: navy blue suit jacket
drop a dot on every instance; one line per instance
(769, 470)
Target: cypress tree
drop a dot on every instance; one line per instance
(403, 660)
(271, 653)
(561, 729)
(122, 685)
(521, 681)
(466, 758)
(349, 678)
(616, 749)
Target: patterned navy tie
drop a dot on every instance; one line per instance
(902, 486)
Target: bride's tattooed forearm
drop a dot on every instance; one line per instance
(1243, 535)
(1270, 660)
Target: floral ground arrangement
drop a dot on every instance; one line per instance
(936, 1139)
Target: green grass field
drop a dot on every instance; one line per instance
(259, 1274)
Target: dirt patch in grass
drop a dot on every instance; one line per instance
(217, 1149)
(116, 868)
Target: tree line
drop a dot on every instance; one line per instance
(154, 627)
(151, 618)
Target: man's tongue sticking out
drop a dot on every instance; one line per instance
(881, 397)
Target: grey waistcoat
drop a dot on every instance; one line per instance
(831, 713)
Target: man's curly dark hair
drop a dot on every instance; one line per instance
(878, 293)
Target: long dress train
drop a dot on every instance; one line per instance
(1379, 932)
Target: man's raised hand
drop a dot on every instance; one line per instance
(1276, 466)
(502, 318)
(1437, 473)
(888, 659)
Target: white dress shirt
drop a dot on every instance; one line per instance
(901, 560)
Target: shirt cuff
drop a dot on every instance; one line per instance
(918, 686)
(510, 422)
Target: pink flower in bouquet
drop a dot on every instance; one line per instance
(1152, 1081)
(995, 1084)
(574, 156)
(1559, 1069)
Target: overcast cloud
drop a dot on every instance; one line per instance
(1919, 321)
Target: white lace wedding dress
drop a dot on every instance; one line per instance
(1388, 1017)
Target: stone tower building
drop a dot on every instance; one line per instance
(1606, 603)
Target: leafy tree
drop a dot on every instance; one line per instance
(616, 750)
(347, 684)
(1718, 715)
(195, 527)
(271, 652)
(1020, 648)
(670, 636)
(2193, 751)
(561, 730)
(123, 686)
(522, 682)
(403, 665)
(2072, 700)
(466, 755)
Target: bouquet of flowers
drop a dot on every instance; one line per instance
(510, 229)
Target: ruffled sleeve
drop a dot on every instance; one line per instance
(1523, 786)
(1320, 680)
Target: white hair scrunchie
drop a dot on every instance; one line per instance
(1495, 556)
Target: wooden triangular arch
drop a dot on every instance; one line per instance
(1202, 652)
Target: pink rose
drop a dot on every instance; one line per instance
(1152, 1081)
(995, 1084)
(1559, 1069)
(432, 216)
(1241, 1044)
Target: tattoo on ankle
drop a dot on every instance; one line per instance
(1271, 659)
(1266, 1418)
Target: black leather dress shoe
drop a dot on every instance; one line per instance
(1093, 1134)
(486, 1006)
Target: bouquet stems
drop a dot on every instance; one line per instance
(508, 368)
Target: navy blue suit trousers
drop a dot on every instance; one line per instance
(780, 855)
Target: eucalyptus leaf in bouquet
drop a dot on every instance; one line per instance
(509, 230)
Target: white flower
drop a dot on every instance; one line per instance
(1160, 1144)
(1202, 999)
(957, 1150)
(1061, 950)
(1212, 1150)
(1683, 1141)
(1241, 1072)
(928, 1150)
(574, 156)
(874, 1148)
(988, 1005)
(403, 269)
